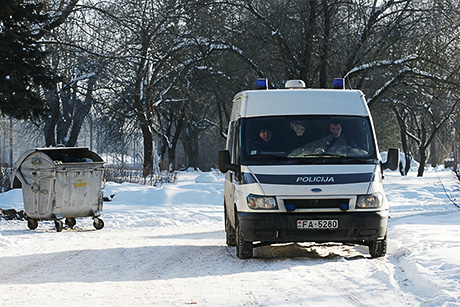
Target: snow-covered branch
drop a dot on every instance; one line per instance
(57, 18)
(380, 64)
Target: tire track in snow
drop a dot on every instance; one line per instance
(291, 256)
(346, 292)
(247, 293)
(382, 286)
(342, 268)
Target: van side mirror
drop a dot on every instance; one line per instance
(224, 162)
(392, 159)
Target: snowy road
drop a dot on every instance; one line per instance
(186, 265)
(166, 247)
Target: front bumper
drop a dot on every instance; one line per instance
(354, 227)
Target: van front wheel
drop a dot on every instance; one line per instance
(244, 248)
(378, 248)
(229, 231)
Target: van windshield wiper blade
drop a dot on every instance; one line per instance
(326, 155)
(269, 155)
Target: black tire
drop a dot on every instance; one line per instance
(98, 223)
(32, 224)
(378, 248)
(59, 225)
(229, 231)
(244, 249)
(70, 222)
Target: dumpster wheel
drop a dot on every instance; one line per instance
(32, 224)
(98, 223)
(70, 221)
(59, 225)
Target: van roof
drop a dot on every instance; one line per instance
(254, 103)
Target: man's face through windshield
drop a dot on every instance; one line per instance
(265, 135)
(336, 130)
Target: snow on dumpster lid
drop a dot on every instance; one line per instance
(62, 155)
(71, 154)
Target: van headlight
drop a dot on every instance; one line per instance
(370, 201)
(261, 202)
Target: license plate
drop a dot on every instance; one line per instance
(317, 224)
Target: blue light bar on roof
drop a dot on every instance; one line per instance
(338, 83)
(261, 84)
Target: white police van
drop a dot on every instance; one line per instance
(303, 165)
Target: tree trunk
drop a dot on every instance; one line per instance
(65, 118)
(455, 149)
(1, 164)
(433, 154)
(81, 110)
(52, 100)
(405, 148)
(421, 167)
(325, 46)
(147, 138)
(309, 35)
(172, 166)
(179, 128)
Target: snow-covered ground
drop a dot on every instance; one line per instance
(166, 246)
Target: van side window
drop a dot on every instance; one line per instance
(236, 145)
(231, 139)
(233, 142)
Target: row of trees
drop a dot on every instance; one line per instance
(167, 69)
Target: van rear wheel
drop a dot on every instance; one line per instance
(244, 249)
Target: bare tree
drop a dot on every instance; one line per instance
(70, 101)
(169, 69)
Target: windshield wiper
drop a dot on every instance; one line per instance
(269, 155)
(348, 158)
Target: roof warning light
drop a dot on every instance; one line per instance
(338, 83)
(261, 84)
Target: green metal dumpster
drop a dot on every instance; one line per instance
(60, 183)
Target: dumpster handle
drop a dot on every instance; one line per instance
(21, 178)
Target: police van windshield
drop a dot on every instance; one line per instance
(307, 139)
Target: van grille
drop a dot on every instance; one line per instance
(322, 203)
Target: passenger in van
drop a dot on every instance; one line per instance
(266, 135)
(263, 142)
(335, 143)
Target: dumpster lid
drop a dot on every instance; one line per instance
(61, 154)
(70, 154)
